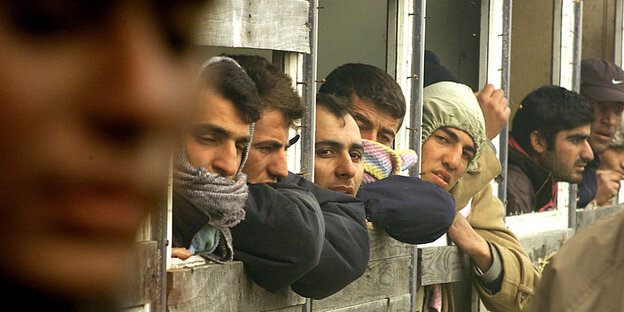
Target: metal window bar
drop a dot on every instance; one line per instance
(505, 69)
(415, 122)
(576, 86)
(308, 122)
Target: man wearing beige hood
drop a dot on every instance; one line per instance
(455, 156)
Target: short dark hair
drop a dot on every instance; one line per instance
(274, 87)
(229, 80)
(367, 82)
(337, 105)
(549, 110)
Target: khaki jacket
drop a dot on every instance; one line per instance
(586, 274)
(487, 213)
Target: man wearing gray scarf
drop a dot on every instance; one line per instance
(210, 190)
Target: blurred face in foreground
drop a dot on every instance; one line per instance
(338, 153)
(90, 98)
(445, 156)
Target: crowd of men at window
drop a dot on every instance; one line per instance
(92, 115)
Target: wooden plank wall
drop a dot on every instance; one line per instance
(383, 287)
(213, 287)
(261, 24)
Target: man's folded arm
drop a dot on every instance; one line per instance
(346, 247)
(409, 209)
(282, 235)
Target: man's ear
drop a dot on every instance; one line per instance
(538, 143)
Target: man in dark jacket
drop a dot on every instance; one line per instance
(602, 84)
(313, 240)
(548, 144)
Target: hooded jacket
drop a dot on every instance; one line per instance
(454, 105)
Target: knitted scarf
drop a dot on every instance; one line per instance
(381, 161)
(220, 198)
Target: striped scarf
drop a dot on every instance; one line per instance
(381, 161)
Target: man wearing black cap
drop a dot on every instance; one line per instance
(602, 83)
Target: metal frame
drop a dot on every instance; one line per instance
(576, 86)
(308, 122)
(619, 28)
(505, 69)
(415, 122)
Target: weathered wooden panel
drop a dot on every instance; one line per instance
(145, 274)
(541, 245)
(599, 29)
(297, 308)
(383, 246)
(383, 278)
(224, 288)
(585, 217)
(373, 306)
(261, 24)
(440, 265)
(400, 303)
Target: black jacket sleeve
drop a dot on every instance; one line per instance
(409, 209)
(346, 249)
(281, 237)
(187, 221)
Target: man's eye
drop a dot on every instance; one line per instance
(385, 140)
(264, 149)
(324, 153)
(467, 156)
(206, 139)
(356, 156)
(440, 139)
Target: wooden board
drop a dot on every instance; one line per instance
(145, 274)
(599, 29)
(383, 279)
(224, 288)
(440, 265)
(585, 217)
(261, 24)
(383, 246)
(541, 245)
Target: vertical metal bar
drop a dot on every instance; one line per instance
(576, 86)
(556, 55)
(484, 38)
(415, 122)
(308, 122)
(391, 35)
(505, 69)
(619, 28)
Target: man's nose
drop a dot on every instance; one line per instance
(345, 168)
(279, 166)
(452, 158)
(139, 81)
(587, 154)
(609, 117)
(226, 160)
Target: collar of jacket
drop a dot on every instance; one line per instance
(540, 178)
